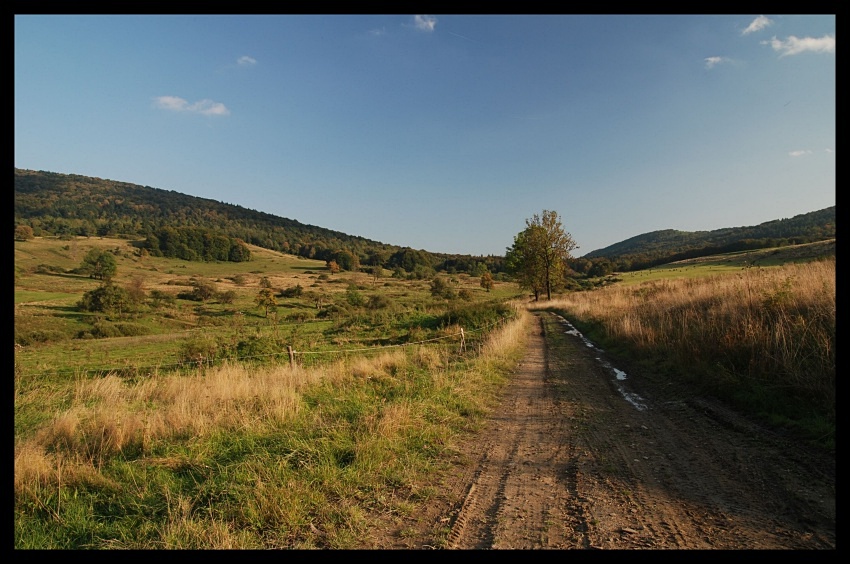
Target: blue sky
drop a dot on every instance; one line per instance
(443, 132)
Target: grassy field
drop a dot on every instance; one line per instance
(731, 262)
(330, 314)
(183, 424)
(755, 329)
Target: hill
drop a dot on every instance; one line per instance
(669, 245)
(69, 204)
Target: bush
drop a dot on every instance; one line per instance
(107, 298)
(378, 302)
(132, 329)
(159, 298)
(293, 292)
(332, 311)
(227, 297)
(354, 297)
(260, 349)
(38, 336)
(198, 348)
(475, 316)
(104, 330)
(48, 269)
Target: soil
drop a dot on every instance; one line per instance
(577, 458)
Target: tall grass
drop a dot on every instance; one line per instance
(240, 456)
(761, 338)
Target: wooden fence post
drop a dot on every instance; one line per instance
(462, 339)
(291, 356)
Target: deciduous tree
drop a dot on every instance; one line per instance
(540, 253)
(487, 280)
(23, 233)
(99, 264)
(265, 299)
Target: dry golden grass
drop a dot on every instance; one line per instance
(111, 415)
(772, 326)
(125, 440)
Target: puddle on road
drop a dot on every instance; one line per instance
(618, 374)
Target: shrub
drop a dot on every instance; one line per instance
(107, 298)
(227, 297)
(378, 302)
(354, 297)
(293, 292)
(159, 298)
(198, 348)
(26, 338)
(48, 269)
(261, 349)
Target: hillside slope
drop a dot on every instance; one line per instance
(670, 244)
(69, 204)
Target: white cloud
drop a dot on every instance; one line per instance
(246, 61)
(170, 103)
(376, 31)
(205, 107)
(425, 23)
(829, 150)
(757, 24)
(711, 62)
(800, 153)
(796, 45)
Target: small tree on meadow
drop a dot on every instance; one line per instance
(265, 299)
(487, 281)
(108, 298)
(99, 264)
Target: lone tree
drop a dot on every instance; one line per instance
(487, 280)
(99, 264)
(265, 299)
(540, 253)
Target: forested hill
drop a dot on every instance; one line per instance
(69, 204)
(658, 247)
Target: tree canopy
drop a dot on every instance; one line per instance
(99, 264)
(539, 255)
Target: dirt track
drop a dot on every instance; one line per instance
(576, 458)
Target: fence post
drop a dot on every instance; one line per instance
(462, 339)
(291, 356)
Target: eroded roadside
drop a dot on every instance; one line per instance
(577, 458)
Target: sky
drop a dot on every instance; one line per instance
(443, 132)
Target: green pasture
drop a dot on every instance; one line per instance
(329, 317)
(730, 262)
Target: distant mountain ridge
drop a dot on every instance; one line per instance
(69, 204)
(671, 244)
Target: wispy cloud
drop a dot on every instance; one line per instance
(206, 107)
(377, 31)
(796, 45)
(246, 61)
(425, 23)
(757, 24)
(800, 153)
(711, 62)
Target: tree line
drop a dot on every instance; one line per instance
(68, 205)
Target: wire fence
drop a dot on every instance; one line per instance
(289, 354)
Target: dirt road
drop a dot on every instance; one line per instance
(583, 455)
